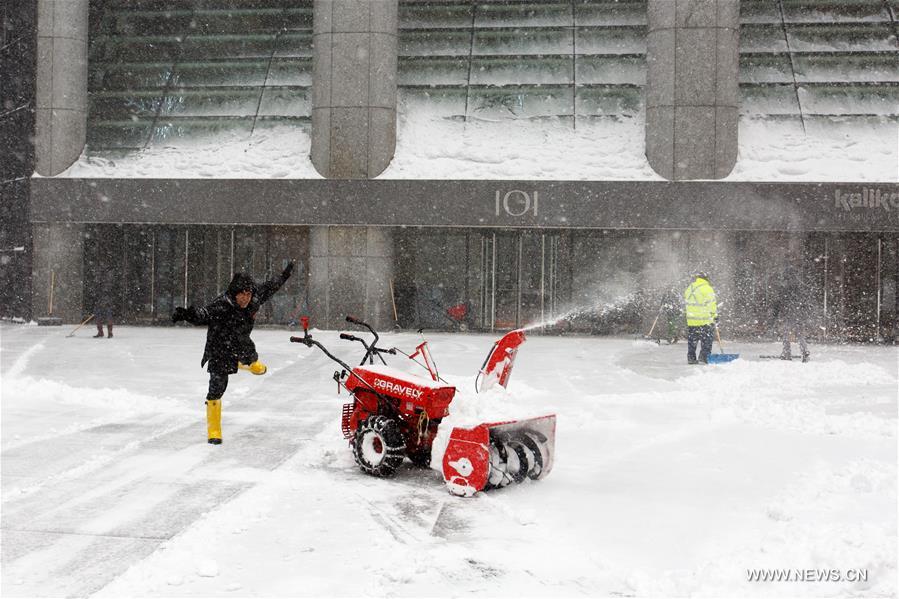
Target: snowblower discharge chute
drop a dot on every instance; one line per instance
(395, 415)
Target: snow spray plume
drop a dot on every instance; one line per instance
(598, 310)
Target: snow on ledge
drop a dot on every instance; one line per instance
(858, 149)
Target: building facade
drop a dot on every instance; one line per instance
(110, 79)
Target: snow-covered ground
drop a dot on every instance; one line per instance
(669, 480)
(432, 147)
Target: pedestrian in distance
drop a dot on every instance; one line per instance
(230, 318)
(104, 303)
(790, 312)
(671, 310)
(701, 310)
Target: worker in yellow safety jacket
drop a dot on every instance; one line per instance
(701, 309)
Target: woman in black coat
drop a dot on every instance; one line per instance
(230, 318)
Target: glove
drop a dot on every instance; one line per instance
(179, 314)
(287, 270)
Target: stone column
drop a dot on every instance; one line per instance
(692, 92)
(58, 263)
(349, 274)
(354, 64)
(61, 94)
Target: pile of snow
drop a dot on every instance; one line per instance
(272, 152)
(430, 146)
(828, 149)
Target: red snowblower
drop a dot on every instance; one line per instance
(395, 414)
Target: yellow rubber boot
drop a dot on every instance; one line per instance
(214, 420)
(256, 367)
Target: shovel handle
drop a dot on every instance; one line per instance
(84, 322)
(653, 327)
(718, 336)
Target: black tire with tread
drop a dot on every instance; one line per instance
(387, 430)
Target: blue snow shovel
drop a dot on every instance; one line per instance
(722, 357)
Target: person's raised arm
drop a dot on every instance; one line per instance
(268, 289)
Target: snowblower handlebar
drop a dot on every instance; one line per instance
(308, 341)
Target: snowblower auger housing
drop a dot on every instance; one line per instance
(395, 414)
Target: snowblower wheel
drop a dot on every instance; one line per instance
(379, 448)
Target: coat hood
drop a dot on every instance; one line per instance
(241, 281)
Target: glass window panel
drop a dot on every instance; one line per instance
(435, 71)
(830, 38)
(169, 277)
(440, 102)
(294, 44)
(608, 100)
(518, 71)
(525, 14)
(435, 43)
(118, 134)
(766, 68)
(285, 244)
(138, 279)
(106, 76)
(150, 49)
(103, 264)
(768, 99)
(759, 11)
(825, 11)
(846, 68)
(231, 46)
(523, 41)
(428, 286)
(419, 15)
(299, 18)
(520, 102)
(278, 123)
(203, 265)
(253, 20)
(611, 40)
(764, 38)
(849, 100)
(606, 69)
(610, 13)
(290, 71)
(221, 74)
(250, 250)
(191, 131)
(211, 102)
(123, 105)
(135, 22)
(532, 273)
(506, 280)
(286, 101)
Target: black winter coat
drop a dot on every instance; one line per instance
(228, 338)
(791, 304)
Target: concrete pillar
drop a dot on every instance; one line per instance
(354, 65)
(57, 264)
(692, 92)
(350, 269)
(61, 94)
